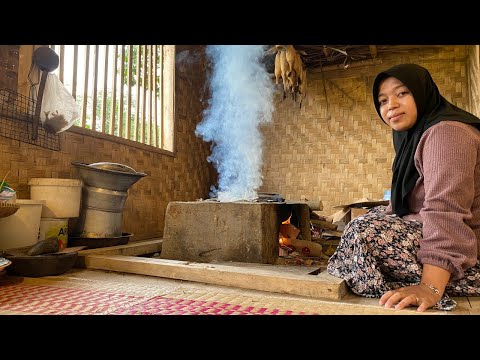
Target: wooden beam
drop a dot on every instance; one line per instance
(271, 279)
(25, 60)
(134, 248)
(343, 71)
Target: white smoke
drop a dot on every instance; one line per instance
(241, 100)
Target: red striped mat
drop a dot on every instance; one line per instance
(50, 300)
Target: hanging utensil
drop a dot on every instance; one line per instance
(47, 61)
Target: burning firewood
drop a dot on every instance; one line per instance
(305, 247)
(288, 237)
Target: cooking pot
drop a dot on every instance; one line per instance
(106, 175)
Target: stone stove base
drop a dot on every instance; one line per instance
(208, 231)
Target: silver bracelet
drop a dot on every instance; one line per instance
(431, 287)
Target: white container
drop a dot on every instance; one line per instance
(62, 196)
(54, 227)
(21, 229)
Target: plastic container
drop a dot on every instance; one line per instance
(8, 195)
(62, 196)
(21, 229)
(54, 227)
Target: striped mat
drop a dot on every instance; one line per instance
(96, 292)
(50, 300)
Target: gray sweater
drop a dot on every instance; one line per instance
(446, 197)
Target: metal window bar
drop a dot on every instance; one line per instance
(61, 54)
(104, 94)
(144, 137)
(151, 85)
(111, 129)
(85, 87)
(155, 92)
(95, 84)
(120, 105)
(160, 128)
(75, 71)
(137, 101)
(129, 92)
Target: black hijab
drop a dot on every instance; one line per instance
(431, 109)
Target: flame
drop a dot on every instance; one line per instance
(288, 220)
(283, 240)
(283, 234)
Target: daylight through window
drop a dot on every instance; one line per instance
(122, 90)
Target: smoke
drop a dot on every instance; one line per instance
(241, 100)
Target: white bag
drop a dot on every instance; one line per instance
(59, 110)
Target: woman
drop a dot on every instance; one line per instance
(424, 246)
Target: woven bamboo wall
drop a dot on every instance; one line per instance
(344, 152)
(183, 177)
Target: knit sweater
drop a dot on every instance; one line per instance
(446, 197)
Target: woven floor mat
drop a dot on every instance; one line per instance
(47, 299)
(70, 295)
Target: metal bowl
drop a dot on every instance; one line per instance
(4, 263)
(93, 243)
(41, 265)
(111, 176)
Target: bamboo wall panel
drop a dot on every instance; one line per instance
(345, 153)
(184, 177)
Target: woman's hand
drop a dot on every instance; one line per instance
(415, 295)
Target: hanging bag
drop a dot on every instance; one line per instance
(59, 110)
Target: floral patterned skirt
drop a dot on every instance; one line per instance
(377, 253)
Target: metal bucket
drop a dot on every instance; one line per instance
(104, 192)
(100, 224)
(103, 199)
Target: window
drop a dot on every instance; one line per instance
(123, 90)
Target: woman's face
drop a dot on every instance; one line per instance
(397, 105)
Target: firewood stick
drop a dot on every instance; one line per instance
(304, 246)
(312, 204)
(323, 224)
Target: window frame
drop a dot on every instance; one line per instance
(26, 52)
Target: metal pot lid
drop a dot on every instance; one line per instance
(113, 166)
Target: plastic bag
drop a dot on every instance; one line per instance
(7, 194)
(59, 110)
